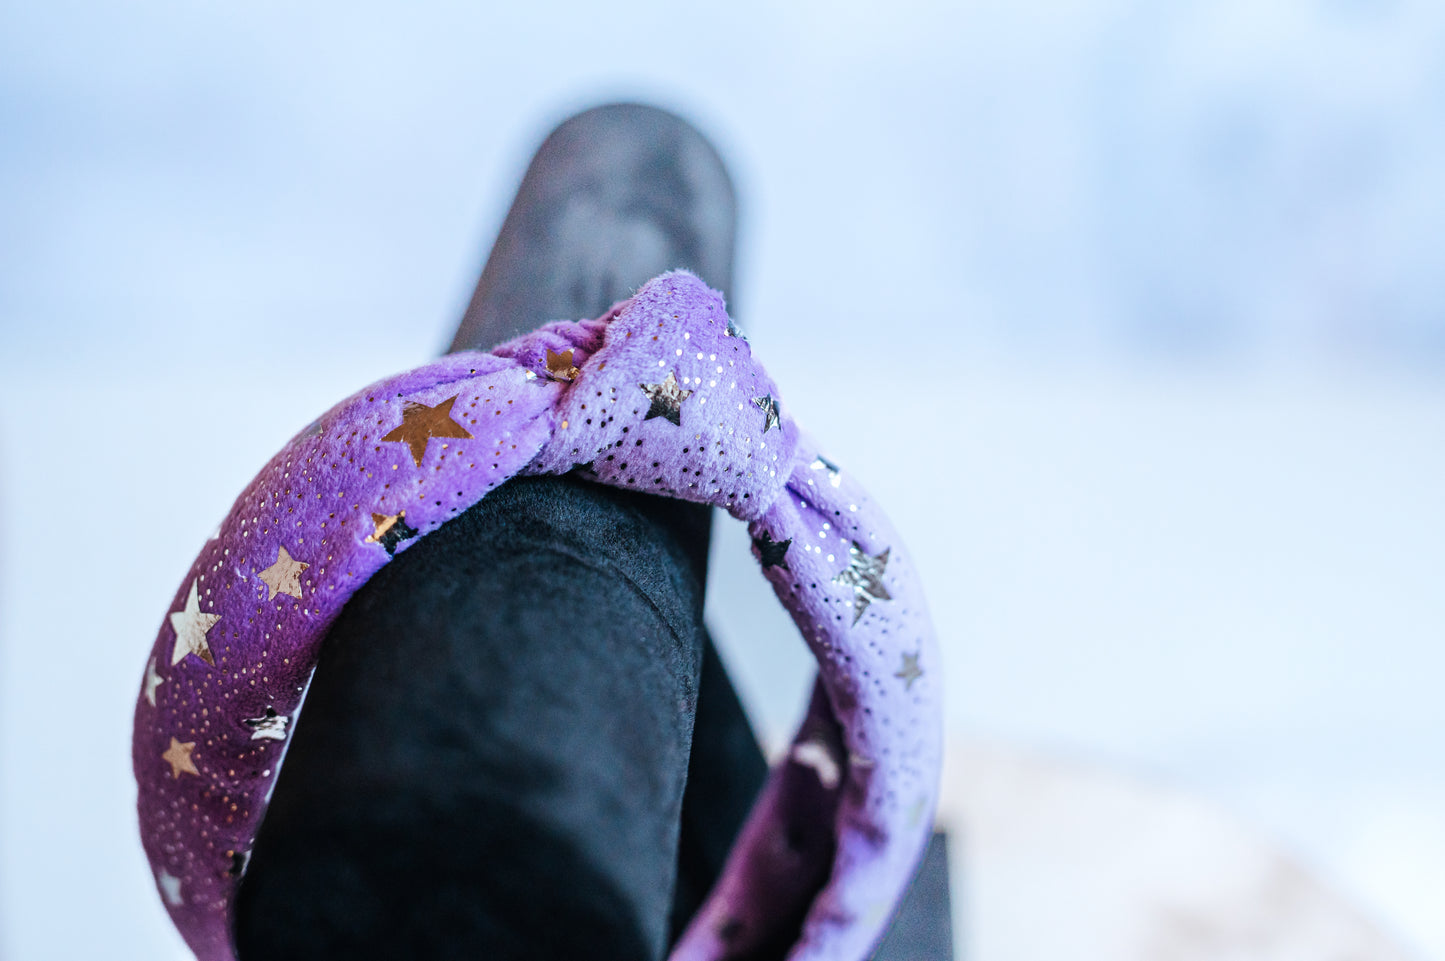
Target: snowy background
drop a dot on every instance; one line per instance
(1161, 284)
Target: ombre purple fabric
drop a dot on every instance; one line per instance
(665, 398)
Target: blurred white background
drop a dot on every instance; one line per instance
(1133, 313)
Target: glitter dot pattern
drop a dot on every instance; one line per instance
(667, 399)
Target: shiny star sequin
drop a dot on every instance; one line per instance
(771, 553)
(268, 727)
(284, 576)
(153, 681)
(560, 365)
(835, 473)
(816, 755)
(910, 671)
(864, 575)
(191, 625)
(178, 756)
(769, 406)
(170, 886)
(667, 398)
(391, 530)
(420, 423)
(733, 330)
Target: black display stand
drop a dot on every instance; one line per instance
(520, 742)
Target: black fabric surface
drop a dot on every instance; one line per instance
(495, 748)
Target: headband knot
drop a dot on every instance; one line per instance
(663, 396)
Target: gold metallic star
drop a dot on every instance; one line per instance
(769, 406)
(178, 756)
(153, 681)
(560, 365)
(864, 574)
(667, 398)
(391, 530)
(910, 671)
(191, 625)
(284, 576)
(419, 423)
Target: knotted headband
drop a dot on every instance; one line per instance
(663, 395)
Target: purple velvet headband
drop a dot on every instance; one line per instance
(661, 394)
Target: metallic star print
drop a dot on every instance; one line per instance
(560, 365)
(420, 423)
(170, 888)
(667, 398)
(815, 754)
(284, 576)
(153, 681)
(391, 530)
(864, 574)
(910, 671)
(835, 474)
(191, 625)
(771, 553)
(178, 756)
(769, 406)
(268, 727)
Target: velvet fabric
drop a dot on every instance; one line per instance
(657, 395)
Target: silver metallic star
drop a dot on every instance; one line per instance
(815, 754)
(769, 406)
(170, 887)
(284, 576)
(772, 553)
(910, 671)
(667, 398)
(835, 473)
(153, 681)
(268, 727)
(864, 574)
(191, 625)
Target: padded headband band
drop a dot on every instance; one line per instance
(661, 395)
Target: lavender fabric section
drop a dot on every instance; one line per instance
(658, 395)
